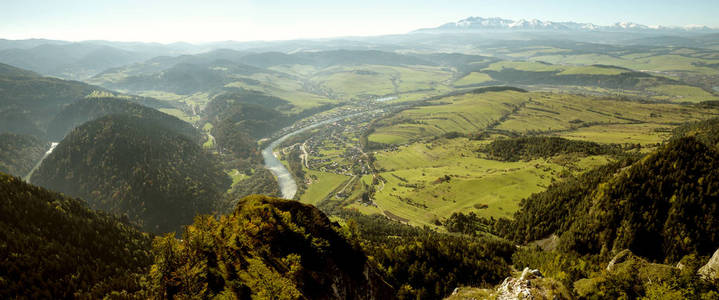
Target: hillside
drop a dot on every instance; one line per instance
(19, 153)
(54, 246)
(87, 109)
(471, 24)
(69, 60)
(135, 166)
(186, 78)
(267, 248)
(283, 249)
(662, 207)
(239, 119)
(28, 101)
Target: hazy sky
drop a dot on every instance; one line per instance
(215, 20)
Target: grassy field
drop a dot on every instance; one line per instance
(414, 186)
(236, 176)
(539, 112)
(322, 183)
(592, 70)
(683, 93)
(284, 87)
(473, 78)
(535, 112)
(533, 51)
(371, 81)
(413, 189)
(356, 84)
(637, 61)
(561, 112)
(296, 70)
(523, 66)
(180, 115)
(198, 100)
(644, 134)
(540, 66)
(464, 113)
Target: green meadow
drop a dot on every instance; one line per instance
(426, 179)
(473, 78)
(415, 187)
(321, 185)
(463, 113)
(683, 93)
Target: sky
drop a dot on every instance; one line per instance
(168, 21)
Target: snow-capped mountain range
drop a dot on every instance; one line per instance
(479, 23)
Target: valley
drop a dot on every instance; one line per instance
(423, 163)
(484, 158)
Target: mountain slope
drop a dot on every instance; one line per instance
(28, 101)
(19, 153)
(186, 78)
(53, 246)
(269, 249)
(662, 207)
(479, 23)
(70, 60)
(87, 109)
(239, 119)
(126, 164)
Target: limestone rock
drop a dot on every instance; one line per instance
(710, 271)
(619, 258)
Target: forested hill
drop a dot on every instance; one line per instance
(19, 153)
(662, 207)
(239, 119)
(61, 249)
(88, 109)
(28, 101)
(705, 131)
(130, 165)
(10, 71)
(267, 248)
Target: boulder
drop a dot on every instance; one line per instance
(710, 271)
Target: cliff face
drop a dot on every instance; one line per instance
(266, 248)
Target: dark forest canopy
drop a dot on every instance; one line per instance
(514, 149)
(662, 207)
(55, 247)
(136, 166)
(240, 118)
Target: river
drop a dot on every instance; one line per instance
(287, 183)
(37, 165)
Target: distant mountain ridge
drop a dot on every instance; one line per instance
(480, 23)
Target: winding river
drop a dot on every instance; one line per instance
(287, 183)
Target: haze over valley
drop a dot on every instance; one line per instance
(436, 153)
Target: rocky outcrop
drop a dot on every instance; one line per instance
(710, 271)
(628, 267)
(518, 288)
(621, 257)
(530, 284)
